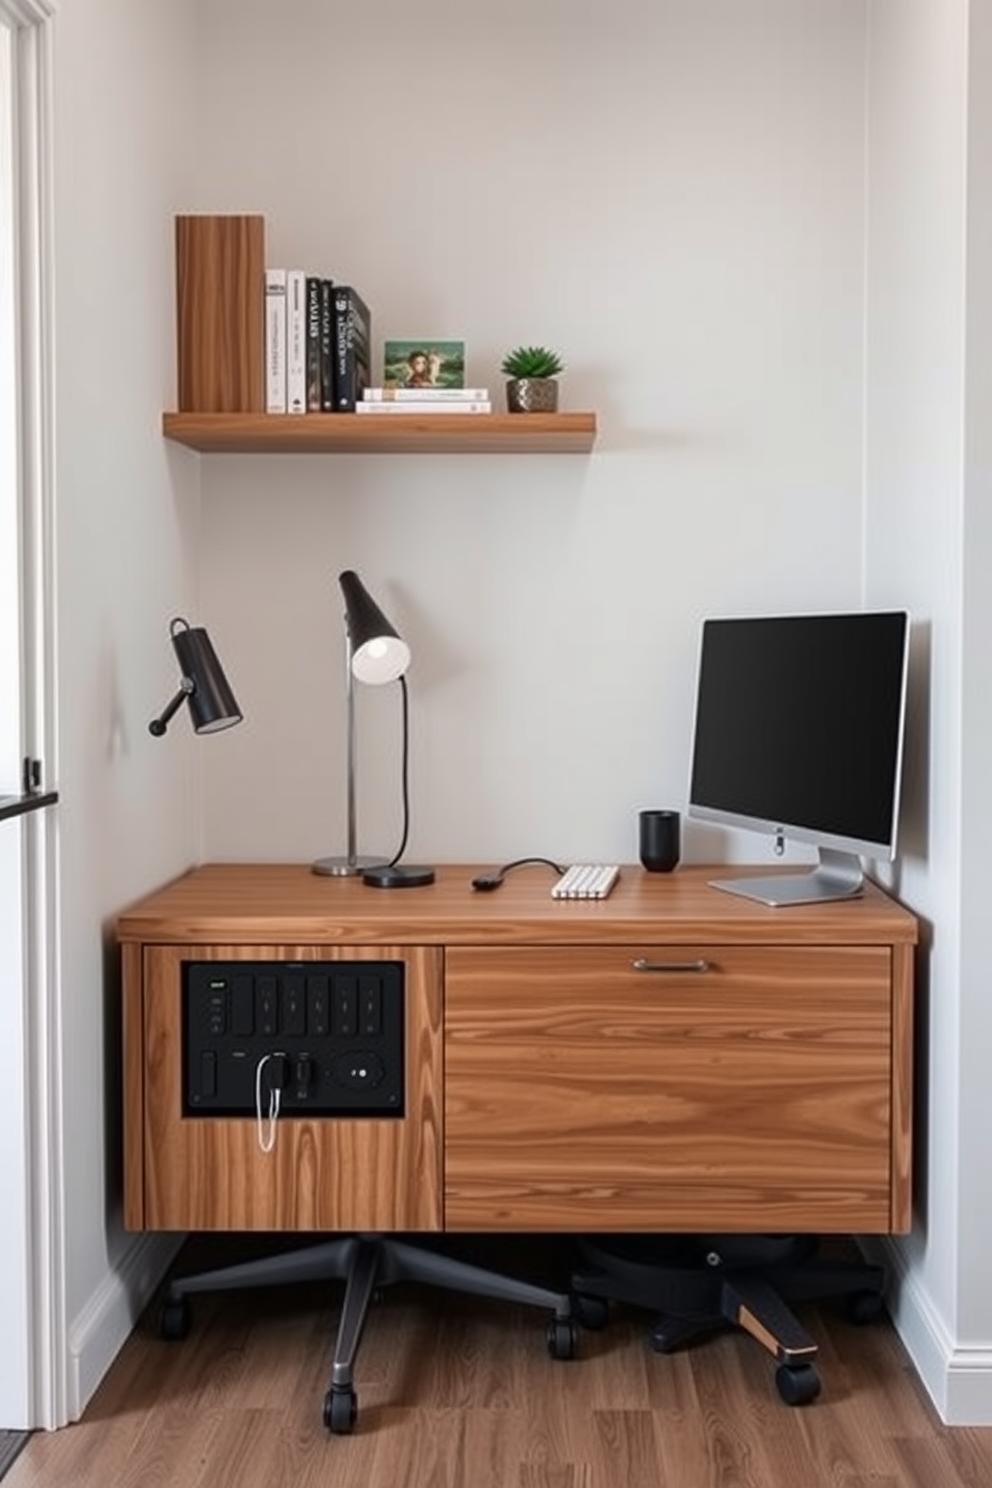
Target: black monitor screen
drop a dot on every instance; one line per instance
(799, 724)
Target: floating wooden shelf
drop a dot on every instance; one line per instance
(382, 434)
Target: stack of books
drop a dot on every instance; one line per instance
(420, 400)
(318, 337)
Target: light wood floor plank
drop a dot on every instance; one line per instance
(458, 1392)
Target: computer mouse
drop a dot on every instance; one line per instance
(487, 881)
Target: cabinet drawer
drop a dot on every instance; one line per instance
(741, 1088)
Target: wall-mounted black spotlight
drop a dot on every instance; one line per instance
(212, 704)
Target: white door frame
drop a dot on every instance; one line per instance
(33, 1377)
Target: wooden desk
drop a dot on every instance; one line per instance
(672, 1058)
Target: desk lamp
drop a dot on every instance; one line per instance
(212, 704)
(375, 654)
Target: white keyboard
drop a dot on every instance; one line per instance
(586, 881)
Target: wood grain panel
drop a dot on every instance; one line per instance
(901, 1175)
(581, 1094)
(255, 903)
(325, 1174)
(397, 434)
(774, 1094)
(132, 1032)
(220, 289)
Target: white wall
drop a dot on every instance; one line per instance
(673, 195)
(929, 540)
(128, 811)
(689, 225)
(13, 1139)
(914, 424)
(974, 1315)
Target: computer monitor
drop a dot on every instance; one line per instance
(799, 733)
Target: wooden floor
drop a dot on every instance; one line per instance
(457, 1392)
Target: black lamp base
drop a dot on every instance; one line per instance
(397, 876)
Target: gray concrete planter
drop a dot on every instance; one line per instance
(532, 395)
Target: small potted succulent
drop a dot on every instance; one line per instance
(532, 387)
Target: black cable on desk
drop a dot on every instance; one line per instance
(495, 879)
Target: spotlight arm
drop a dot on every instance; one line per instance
(159, 725)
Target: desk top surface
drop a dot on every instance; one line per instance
(269, 903)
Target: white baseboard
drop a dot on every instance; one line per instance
(100, 1331)
(958, 1378)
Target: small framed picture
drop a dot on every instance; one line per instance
(425, 363)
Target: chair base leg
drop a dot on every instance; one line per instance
(699, 1285)
(365, 1263)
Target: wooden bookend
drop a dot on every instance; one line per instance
(220, 299)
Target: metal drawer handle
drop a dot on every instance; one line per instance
(643, 965)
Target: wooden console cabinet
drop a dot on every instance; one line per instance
(672, 1058)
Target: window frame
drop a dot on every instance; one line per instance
(35, 1376)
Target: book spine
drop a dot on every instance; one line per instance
(296, 341)
(327, 345)
(433, 409)
(353, 338)
(275, 340)
(313, 344)
(425, 395)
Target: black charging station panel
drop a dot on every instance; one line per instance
(328, 1035)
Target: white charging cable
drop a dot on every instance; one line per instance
(266, 1138)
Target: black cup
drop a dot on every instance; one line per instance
(659, 840)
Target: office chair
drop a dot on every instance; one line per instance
(698, 1284)
(366, 1263)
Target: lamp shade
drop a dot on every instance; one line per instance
(378, 652)
(212, 704)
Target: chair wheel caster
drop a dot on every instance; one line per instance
(174, 1320)
(562, 1336)
(591, 1312)
(663, 1338)
(797, 1384)
(340, 1411)
(670, 1333)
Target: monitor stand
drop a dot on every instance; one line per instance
(838, 875)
